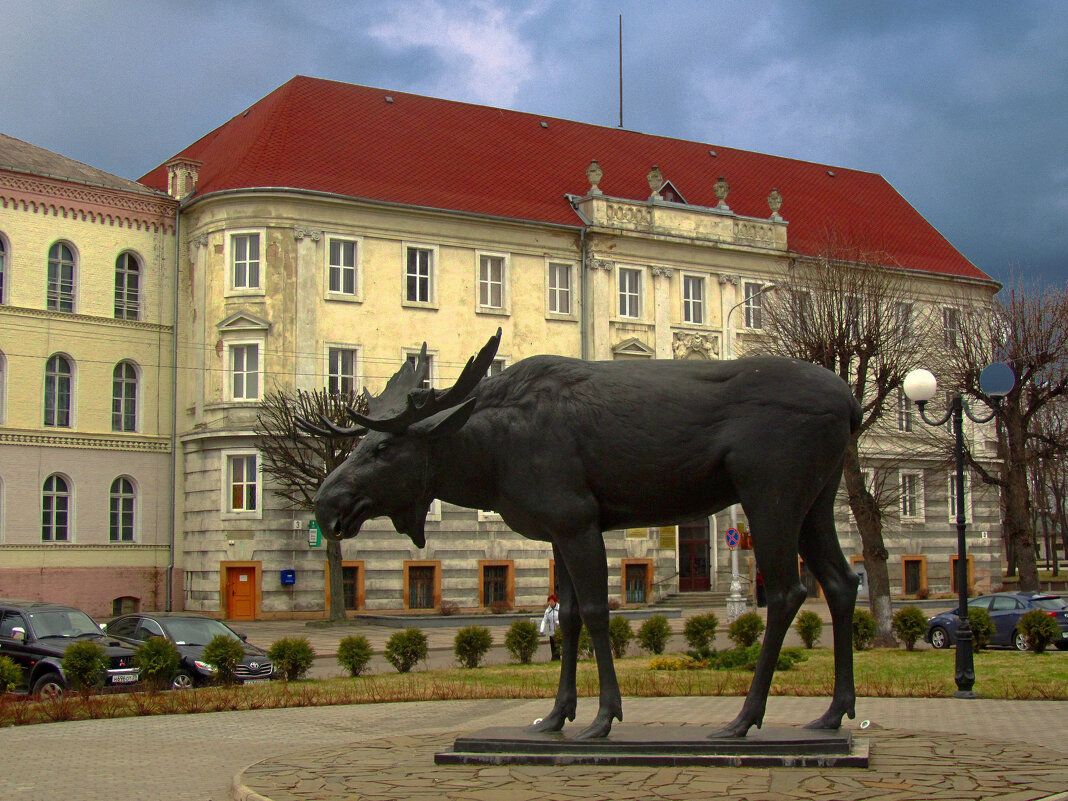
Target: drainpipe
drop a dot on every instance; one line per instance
(174, 411)
(584, 314)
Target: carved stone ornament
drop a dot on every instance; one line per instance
(299, 232)
(665, 272)
(599, 264)
(728, 279)
(775, 203)
(656, 180)
(721, 188)
(200, 241)
(594, 173)
(685, 343)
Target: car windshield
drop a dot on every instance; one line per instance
(195, 631)
(62, 623)
(1050, 604)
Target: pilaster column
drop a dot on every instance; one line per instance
(602, 297)
(308, 289)
(662, 311)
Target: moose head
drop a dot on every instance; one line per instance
(388, 473)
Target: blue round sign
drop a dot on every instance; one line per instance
(732, 538)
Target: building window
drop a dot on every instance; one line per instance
(124, 397)
(59, 379)
(496, 368)
(629, 292)
(3, 385)
(693, 299)
(951, 327)
(245, 372)
(127, 287)
(419, 271)
(243, 482)
(350, 583)
(60, 278)
(422, 585)
(953, 498)
(3, 270)
(245, 261)
(969, 568)
(911, 496)
(903, 318)
(413, 359)
(754, 300)
(637, 578)
(342, 267)
(914, 579)
(559, 288)
(905, 410)
(121, 521)
(55, 510)
(341, 376)
(491, 281)
(496, 584)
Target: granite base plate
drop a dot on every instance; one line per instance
(660, 746)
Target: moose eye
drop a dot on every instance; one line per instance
(381, 448)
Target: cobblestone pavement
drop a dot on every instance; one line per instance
(921, 748)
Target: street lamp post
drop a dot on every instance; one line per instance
(735, 598)
(995, 381)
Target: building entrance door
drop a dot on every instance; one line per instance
(241, 593)
(694, 564)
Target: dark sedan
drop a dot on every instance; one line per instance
(190, 633)
(1005, 609)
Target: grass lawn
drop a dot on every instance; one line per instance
(879, 672)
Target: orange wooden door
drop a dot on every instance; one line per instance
(241, 593)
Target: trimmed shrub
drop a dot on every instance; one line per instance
(863, 629)
(354, 653)
(585, 644)
(619, 635)
(224, 653)
(746, 630)
(908, 625)
(700, 632)
(672, 663)
(293, 656)
(982, 627)
(521, 640)
(746, 657)
(448, 608)
(1039, 629)
(84, 665)
(405, 649)
(10, 675)
(471, 645)
(809, 627)
(653, 634)
(158, 660)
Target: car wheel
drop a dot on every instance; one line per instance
(1019, 641)
(182, 681)
(1062, 645)
(939, 637)
(50, 685)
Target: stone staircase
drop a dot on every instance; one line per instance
(694, 600)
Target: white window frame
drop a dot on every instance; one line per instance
(3, 388)
(553, 292)
(633, 295)
(484, 285)
(328, 371)
(689, 303)
(951, 493)
(497, 366)
(903, 317)
(5, 270)
(70, 509)
(74, 273)
(227, 509)
(951, 333)
(356, 296)
(412, 354)
(916, 515)
(135, 511)
(260, 357)
(753, 305)
(137, 303)
(906, 412)
(228, 259)
(72, 421)
(136, 399)
(432, 284)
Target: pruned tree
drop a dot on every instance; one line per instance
(300, 461)
(849, 312)
(1028, 330)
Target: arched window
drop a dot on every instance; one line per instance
(61, 278)
(59, 381)
(3, 271)
(121, 521)
(124, 397)
(127, 287)
(3, 385)
(55, 510)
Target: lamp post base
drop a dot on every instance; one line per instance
(735, 601)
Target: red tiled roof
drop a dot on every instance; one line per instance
(400, 148)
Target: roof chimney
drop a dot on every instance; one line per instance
(182, 176)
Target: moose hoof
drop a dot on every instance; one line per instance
(554, 721)
(601, 727)
(736, 728)
(831, 719)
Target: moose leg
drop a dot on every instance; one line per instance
(823, 555)
(776, 551)
(570, 626)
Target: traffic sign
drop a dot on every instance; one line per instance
(732, 538)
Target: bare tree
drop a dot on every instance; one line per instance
(299, 462)
(1028, 330)
(847, 311)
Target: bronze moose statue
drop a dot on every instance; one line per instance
(565, 449)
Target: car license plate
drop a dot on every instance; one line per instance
(124, 678)
(256, 681)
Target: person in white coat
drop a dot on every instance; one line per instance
(550, 625)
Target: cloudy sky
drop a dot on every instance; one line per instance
(962, 106)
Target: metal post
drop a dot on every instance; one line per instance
(965, 665)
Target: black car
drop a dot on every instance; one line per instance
(1005, 609)
(35, 635)
(190, 633)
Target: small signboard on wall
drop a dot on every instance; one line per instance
(315, 536)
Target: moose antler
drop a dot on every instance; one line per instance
(328, 428)
(420, 405)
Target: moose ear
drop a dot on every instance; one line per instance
(447, 422)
